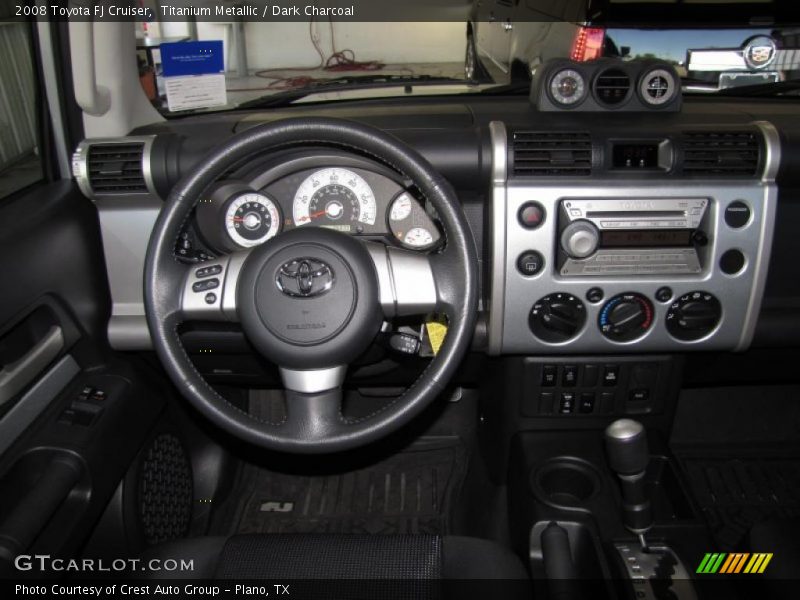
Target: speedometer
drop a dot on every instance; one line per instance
(251, 219)
(336, 198)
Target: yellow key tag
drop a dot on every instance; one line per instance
(436, 334)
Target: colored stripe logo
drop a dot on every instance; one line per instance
(736, 562)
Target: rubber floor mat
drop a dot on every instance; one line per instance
(735, 494)
(409, 492)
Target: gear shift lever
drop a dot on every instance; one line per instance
(626, 446)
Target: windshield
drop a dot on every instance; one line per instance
(191, 64)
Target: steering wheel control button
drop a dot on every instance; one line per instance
(737, 214)
(580, 239)
(208, 271)
(595, 295)
(531, 215)
(626, 317)
(664, 294)
(210, 298)
(530, 263)
(557, 317)
(731, 262)
(693, 316)
(205, 285)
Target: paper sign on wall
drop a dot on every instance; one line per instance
(194, 74)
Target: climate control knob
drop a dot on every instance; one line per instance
(626, 317)
(580, 239)
(557, 317)
(693, 316)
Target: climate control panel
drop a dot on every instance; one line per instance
(609, 264)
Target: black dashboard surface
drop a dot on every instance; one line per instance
(453, 134)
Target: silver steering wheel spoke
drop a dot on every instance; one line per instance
(209, 289)
(406, 281)
(312, 381)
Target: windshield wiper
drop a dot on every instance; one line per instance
(345, 83)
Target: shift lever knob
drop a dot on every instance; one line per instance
(626, 446)
(628, 455)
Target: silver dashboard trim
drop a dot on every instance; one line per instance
(761, 265)
(512, 294)
(497, 229)
(80, 169)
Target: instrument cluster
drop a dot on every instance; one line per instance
(245, 212)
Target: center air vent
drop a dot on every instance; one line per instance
(544, 153)
(116, 168)
(612, 87)
(728, 153)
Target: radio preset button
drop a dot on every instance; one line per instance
(737, 214)
(580, 239)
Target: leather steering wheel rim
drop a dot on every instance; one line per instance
(320, 426)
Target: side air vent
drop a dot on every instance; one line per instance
(116, 168)
(725, 153)
(544, 153)
(110, 167)
(612, 87)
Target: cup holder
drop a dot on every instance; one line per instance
(565, 482)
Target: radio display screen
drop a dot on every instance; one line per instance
(645, 238)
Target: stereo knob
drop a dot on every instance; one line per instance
(693, 316)
(557, 317)
(580, 239)
(626, 317)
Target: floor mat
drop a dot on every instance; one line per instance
(409, 492)
(734, 494)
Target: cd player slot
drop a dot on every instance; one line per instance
(596, 214)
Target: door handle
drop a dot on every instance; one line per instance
(15, 376)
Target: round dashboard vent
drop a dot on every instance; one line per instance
(657, 87)
(612, 87)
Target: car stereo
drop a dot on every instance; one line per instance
(608, 236)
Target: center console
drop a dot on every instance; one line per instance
(608, 245)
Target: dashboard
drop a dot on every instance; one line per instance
(254, 204)
(627, 234)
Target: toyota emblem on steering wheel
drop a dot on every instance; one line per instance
(304, 278)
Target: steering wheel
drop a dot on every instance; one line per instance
(311, 300)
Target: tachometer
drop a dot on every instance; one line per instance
(251, 219)
(336, 198)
